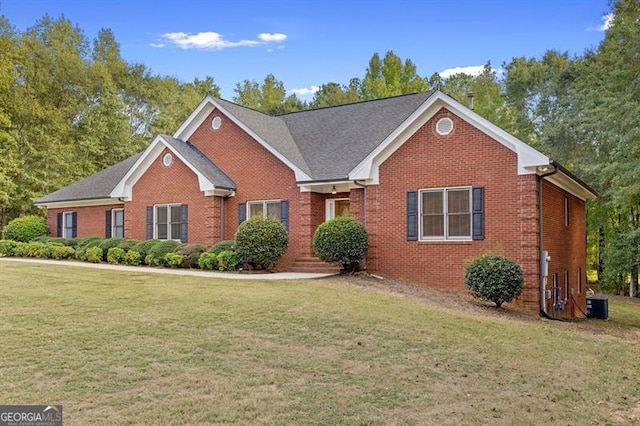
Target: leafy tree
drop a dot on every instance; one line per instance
(391, 77)
(268, 97)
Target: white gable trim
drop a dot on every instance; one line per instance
(124, 188)
(528, 158)
(205, 108)
(91, 202)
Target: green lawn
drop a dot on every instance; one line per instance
(142, 348)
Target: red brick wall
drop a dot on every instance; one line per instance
(465, 157)
(174, 184)
(566, 246)
(259, 175)
(91, 220)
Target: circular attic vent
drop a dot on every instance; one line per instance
(216, 123)
(444, 126)
(167, 159)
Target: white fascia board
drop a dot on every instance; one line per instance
(206, 107)
(565, 182)
(80, 203)
(124, 189)
(528, 157)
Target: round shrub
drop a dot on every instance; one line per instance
(7, 248)
(25, 228)
(208, 261)
(173, 260)
(93, 254)
(116, 255)
(133, 258)
(225, 245)
(191, 254)
(160, 250)
(109, 243)
(127, 244)
(228, 261)
(261, 242)
(59, 252)
(343, 240)
(494, 278)
(150, 260)
(143, 247)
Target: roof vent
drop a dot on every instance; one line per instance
(216, 123)
(444, 126)
(167, 159)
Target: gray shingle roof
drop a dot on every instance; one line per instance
(97, 186)
(198, 160)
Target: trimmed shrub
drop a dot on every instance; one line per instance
(88, 242)
(93, 254)
(343, 240)
(494, 278)
(173, 260)
(25, 228)
(21, 249)
(225, 245)
(191, 254)
(81, 254)
(60, 252)
(133, 258)
(7, 248)
(261, 242)
(208, 261)
(45, 239)
(160, 250)
(38, 250)
(116, 255)
(150, 260)
(127, 244)
(228, 261)
(143, 247)
(109, 243)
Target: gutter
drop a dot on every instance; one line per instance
(557, 166)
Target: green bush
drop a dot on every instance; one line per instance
(228, 261)
(7, 248)
(150, 260)
(191, 253)
(160, 250)
(173, 260)
(116, 255)
(93, 254)
(44, 239)
(261, 242)
(224, 245)
(343, 240)
(494, 278)
(143, 247)
(48, 249)
(208, 261)
(59, 252)
(127, 244)
(133, 258)
(88, 242)
(109, 243)
(81, 254)
(25, 228)
(38, 250)
(21, 249)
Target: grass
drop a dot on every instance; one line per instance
(143, 348)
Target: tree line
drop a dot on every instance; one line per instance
(70, 106)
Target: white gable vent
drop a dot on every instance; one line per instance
(444, 126)
(216, 123)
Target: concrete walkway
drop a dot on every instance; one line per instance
(167, 271)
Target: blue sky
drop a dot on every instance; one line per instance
(308, 43)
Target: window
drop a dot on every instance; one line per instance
(117, 223)
(445, 214)
(566, 212)
(264, 209)
(67, 225)
(168, 222)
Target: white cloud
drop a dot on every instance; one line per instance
(157, 45)
(473, 70)
(275, 37)
(213, 40)
(607, 21)
(305, 91)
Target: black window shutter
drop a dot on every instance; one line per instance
(59, 223)
(477, 209)
(242, 213)
(284, 214)
(412, 216)
(107, 224)
(184, 219)
(149, 222)
(74, 225)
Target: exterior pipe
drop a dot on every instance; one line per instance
(364, 200)
(543, 304)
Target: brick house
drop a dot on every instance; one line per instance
(434, 183)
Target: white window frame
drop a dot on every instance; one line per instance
(64, 224)
(169, 223)
(446, 236)
(330, 207)
(264, 207)
(113, 222)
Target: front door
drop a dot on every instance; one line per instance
(336, 207)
